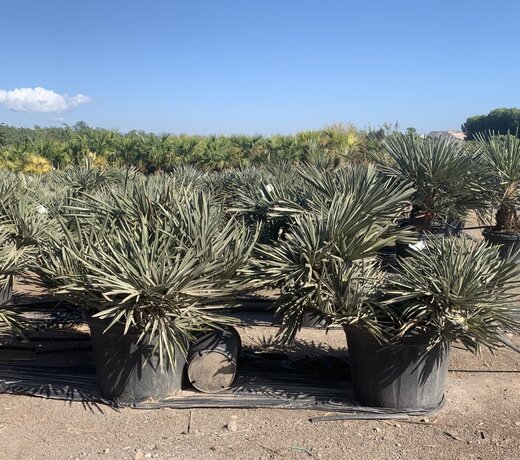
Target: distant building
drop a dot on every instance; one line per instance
(447, 134)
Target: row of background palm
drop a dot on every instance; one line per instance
(43, 149)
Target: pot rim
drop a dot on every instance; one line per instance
(491, 230)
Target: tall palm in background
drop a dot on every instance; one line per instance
(445, 174)
(501, 160)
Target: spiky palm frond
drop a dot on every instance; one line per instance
(83, 179)
(274, 198)
(456, 289)
(501, 160)
(321, 185)
(444, 173)
(323, 265)
(28, 221)
(335, 239)
(346, 229)
(188, 177)
(13, 260)
(341, 292)
(268, 197)
(9, 182)
(230, 185)
(159, 276)
(142, 198)
(22, 209)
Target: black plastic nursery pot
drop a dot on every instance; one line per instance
(506, 241)
(213, 359)
(126, 373)
(403, 375)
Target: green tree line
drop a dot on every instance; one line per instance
(498, 121)
(43, 149)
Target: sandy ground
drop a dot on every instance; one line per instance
(481, 420)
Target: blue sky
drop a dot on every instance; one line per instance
(258, 66)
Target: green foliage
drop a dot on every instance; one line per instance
(501, 162)
(82, 179)
(151, 256)
(23, 209)
(164, 254)
(499, 121)
(455, 289)
(444, 173)
(150, 153)
(13, 261)
(263, 196)
(327, 259)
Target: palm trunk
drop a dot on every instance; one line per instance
(506, 218)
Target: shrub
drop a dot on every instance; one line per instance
(35, 164)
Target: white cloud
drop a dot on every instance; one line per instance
(40, 100)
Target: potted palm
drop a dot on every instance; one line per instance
(501, 160)
(151, 269)
(342, 210)
(445, 176)
(399, 325)
(453, 290)
(339, 234)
